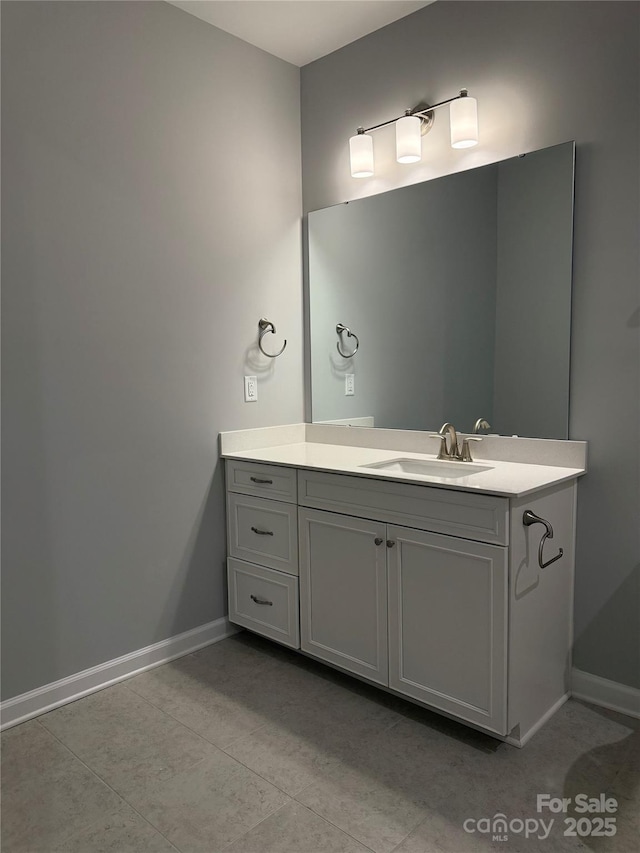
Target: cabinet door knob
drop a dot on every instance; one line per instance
(390, 543)
(378, 540)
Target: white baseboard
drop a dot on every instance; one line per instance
(50, 696)
(607, 694)
(521, 740)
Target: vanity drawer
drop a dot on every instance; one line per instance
(265, 601)
(253, 478)
(471, 516)
(263, 531)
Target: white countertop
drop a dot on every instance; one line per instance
(509, 479)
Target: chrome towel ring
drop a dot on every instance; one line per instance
(340, 328)
(267, 326)
(530, 518)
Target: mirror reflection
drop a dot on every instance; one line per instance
(458, 292)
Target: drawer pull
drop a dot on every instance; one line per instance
(261, 600)
(262, 532)
(261, 481)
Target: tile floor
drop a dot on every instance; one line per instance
(245, 747)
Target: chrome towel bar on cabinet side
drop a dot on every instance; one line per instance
(267, 326)
(529, 518)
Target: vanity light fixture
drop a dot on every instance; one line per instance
(409, 138)
(411, 127)
(361, 152)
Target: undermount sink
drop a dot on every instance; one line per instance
(429, 467)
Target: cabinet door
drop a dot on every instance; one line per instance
(448, 624)
(343, 592)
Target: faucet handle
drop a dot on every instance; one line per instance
(466, 450)
(442, 452)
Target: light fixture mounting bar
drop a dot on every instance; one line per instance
(421, 113)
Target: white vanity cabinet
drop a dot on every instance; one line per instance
(436, 594)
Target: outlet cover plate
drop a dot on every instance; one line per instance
(251, 389)
(349, 384)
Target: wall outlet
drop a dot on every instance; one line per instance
(349, 384)
(251, 389)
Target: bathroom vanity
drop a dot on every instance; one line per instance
(359, 548)
(447, 582)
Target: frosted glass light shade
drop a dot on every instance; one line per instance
(361, 153)
(408, 140)
(463, 115)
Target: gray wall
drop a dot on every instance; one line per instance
(537, 70)
(149, 221)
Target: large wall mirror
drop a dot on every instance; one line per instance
(459, 292)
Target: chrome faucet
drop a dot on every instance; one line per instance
(452, 450)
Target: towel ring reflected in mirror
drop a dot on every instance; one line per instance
(340, 328)
(267, 326)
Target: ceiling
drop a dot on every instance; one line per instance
(300, 31)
